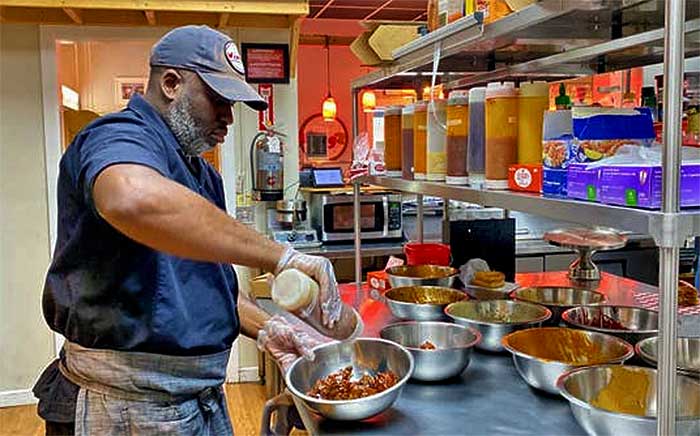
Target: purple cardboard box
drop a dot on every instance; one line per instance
(640, 186)
(582, 183)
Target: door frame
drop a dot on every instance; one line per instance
(52, 131)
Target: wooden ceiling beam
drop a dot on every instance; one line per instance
(275, 7)
(74, 15)
(374, 12)
(321, 40)
(223, 20)
(150, 17)
(294, 35)
(323, 9)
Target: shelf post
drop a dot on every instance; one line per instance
(669, 255)
(419, 217)
(358, 241)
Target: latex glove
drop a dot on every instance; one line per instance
(286, 342)
(320, 269)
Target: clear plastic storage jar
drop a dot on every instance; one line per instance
(501, 115)
(476, 159)
(457, 138)
(407, 142)
(533, 101)
(392, 141)
(420, 140)
(436, 163)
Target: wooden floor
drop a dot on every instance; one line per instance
(245, 403)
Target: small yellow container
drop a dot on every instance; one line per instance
(533, 101)
(420, 140)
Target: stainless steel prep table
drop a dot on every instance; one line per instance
(488, 398)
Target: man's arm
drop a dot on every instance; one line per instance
(251, 316)
(168, 217)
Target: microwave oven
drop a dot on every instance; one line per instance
(380, 216)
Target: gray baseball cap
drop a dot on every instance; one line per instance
(213, 56)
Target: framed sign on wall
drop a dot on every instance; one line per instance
(125, 87)
(266, 63)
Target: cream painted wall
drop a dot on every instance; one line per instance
(25, 341)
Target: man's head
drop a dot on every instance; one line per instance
(196, 75)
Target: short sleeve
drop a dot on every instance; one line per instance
(105, 146)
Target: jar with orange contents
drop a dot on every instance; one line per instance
(501, 116)
(392, 141)
(420, 140)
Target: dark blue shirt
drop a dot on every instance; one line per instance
(104, 290)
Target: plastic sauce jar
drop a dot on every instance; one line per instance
(501, 115)
(437, 141)
(392, 141)
(533, 101)
(476, 158)
(420, 140)
(407, 142)
(296, 292)
(457, 138)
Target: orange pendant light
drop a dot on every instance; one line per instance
(369, 101)
(329, 108)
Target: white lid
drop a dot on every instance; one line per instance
(420, 106)
(498, 89)
(459, 96)
(408, 109)
(293, 290)
(477, 94)
(534, 89)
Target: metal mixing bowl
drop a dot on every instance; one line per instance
(530, 353)
(404, 302)
(639, 323)
(582, 385)
(557, 298)
(687, 353)
(454, 347)
(366, 356)
(422, 275)
(487, 318)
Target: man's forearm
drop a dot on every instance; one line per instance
(168, 217)
(252, 318)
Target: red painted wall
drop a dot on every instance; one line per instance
(311, 74)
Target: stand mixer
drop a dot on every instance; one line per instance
(291, 216)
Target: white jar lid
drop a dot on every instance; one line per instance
(501, 89)
(477, 94)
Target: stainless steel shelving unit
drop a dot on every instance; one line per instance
(577, 30)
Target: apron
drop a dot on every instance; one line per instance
(134, 393)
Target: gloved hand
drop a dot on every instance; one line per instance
(286, 341)
(320, 269)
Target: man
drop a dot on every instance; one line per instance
(141, 284)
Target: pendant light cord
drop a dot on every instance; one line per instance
(328, 69)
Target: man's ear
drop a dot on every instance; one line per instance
(171, 83)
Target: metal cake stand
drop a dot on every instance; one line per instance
(585, 242)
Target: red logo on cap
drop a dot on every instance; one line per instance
(233, 57)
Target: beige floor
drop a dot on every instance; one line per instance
(245, 403)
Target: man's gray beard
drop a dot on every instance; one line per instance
(189, 134)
